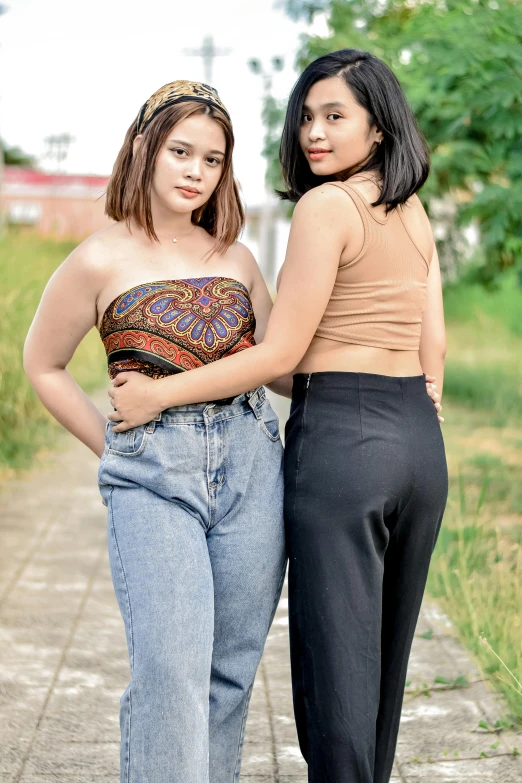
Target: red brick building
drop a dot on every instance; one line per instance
(59, 205)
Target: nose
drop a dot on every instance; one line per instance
(193, 170)
(315, 130)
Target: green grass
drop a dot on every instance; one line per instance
(484, 365)
(476, 571)
(472, 303)
(26, 263)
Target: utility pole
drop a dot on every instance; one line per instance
(58, 147)
(3, 9)
(208, 53)
(267, 227)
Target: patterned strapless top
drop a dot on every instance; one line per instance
(170, 326)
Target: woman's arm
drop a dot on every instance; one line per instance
(317, 239)
(66, 313)
(262, 303)
(432, 349)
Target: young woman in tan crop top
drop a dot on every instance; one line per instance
(359, 315)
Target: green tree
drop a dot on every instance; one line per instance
(14, 156)
(460, 62)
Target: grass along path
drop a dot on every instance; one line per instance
(476, 572)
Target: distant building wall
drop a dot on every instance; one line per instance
(54, 205)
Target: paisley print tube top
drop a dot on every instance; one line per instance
(170, 326)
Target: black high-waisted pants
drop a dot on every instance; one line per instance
(365, 491)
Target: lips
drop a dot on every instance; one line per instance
(189, 192)
(317, 153)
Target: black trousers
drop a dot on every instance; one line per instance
(365, 490)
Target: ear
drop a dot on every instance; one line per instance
(136, 144)
(379, 135)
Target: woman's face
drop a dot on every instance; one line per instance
(335, 132)
(189, 164)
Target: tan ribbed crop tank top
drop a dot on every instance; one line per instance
(378, 298)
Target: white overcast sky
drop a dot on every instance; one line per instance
(86, 67)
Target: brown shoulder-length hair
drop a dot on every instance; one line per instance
(128, 191)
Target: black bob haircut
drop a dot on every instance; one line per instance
(402, 158)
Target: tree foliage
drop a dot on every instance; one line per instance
(460, 63)
(15, 156)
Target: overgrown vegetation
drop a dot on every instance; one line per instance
(26, 264)
(476, 572)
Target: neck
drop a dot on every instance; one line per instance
(169, 224)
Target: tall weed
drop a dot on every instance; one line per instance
(26, 264)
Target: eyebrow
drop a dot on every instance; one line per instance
(191, 146)
(332, 105)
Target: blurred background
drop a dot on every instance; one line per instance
(72, 77)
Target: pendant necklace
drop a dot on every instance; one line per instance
(175, 239)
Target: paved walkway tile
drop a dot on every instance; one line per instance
(63, 659)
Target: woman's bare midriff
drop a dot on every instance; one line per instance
(325, 355)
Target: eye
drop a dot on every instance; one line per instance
(334, 116)
(305, 118)
(214, 161)
(179, 151)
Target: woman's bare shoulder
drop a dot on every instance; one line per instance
(242, 263)
(418, 224)
(414, 210)
(98, 250)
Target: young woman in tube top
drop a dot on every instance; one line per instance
(195, 496)
(359, 313)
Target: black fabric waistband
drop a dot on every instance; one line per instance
(359, 381)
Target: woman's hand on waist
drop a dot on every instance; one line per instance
(431, 388)
(133, 399)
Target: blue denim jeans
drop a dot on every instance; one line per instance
(196, 545)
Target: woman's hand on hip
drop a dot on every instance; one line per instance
(431, 388)
(133, 400)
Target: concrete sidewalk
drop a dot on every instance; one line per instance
(63, 660)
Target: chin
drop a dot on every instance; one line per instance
(324, 168)
(183, 205)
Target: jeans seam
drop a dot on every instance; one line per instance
(237, 768)
(131, 636)
(247, 702)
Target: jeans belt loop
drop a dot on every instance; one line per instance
(151, 426)
(254, 397)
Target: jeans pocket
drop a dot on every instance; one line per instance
(130, 443)
(268, 420)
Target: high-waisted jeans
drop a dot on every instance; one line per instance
(365, 491)
(196, 545)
